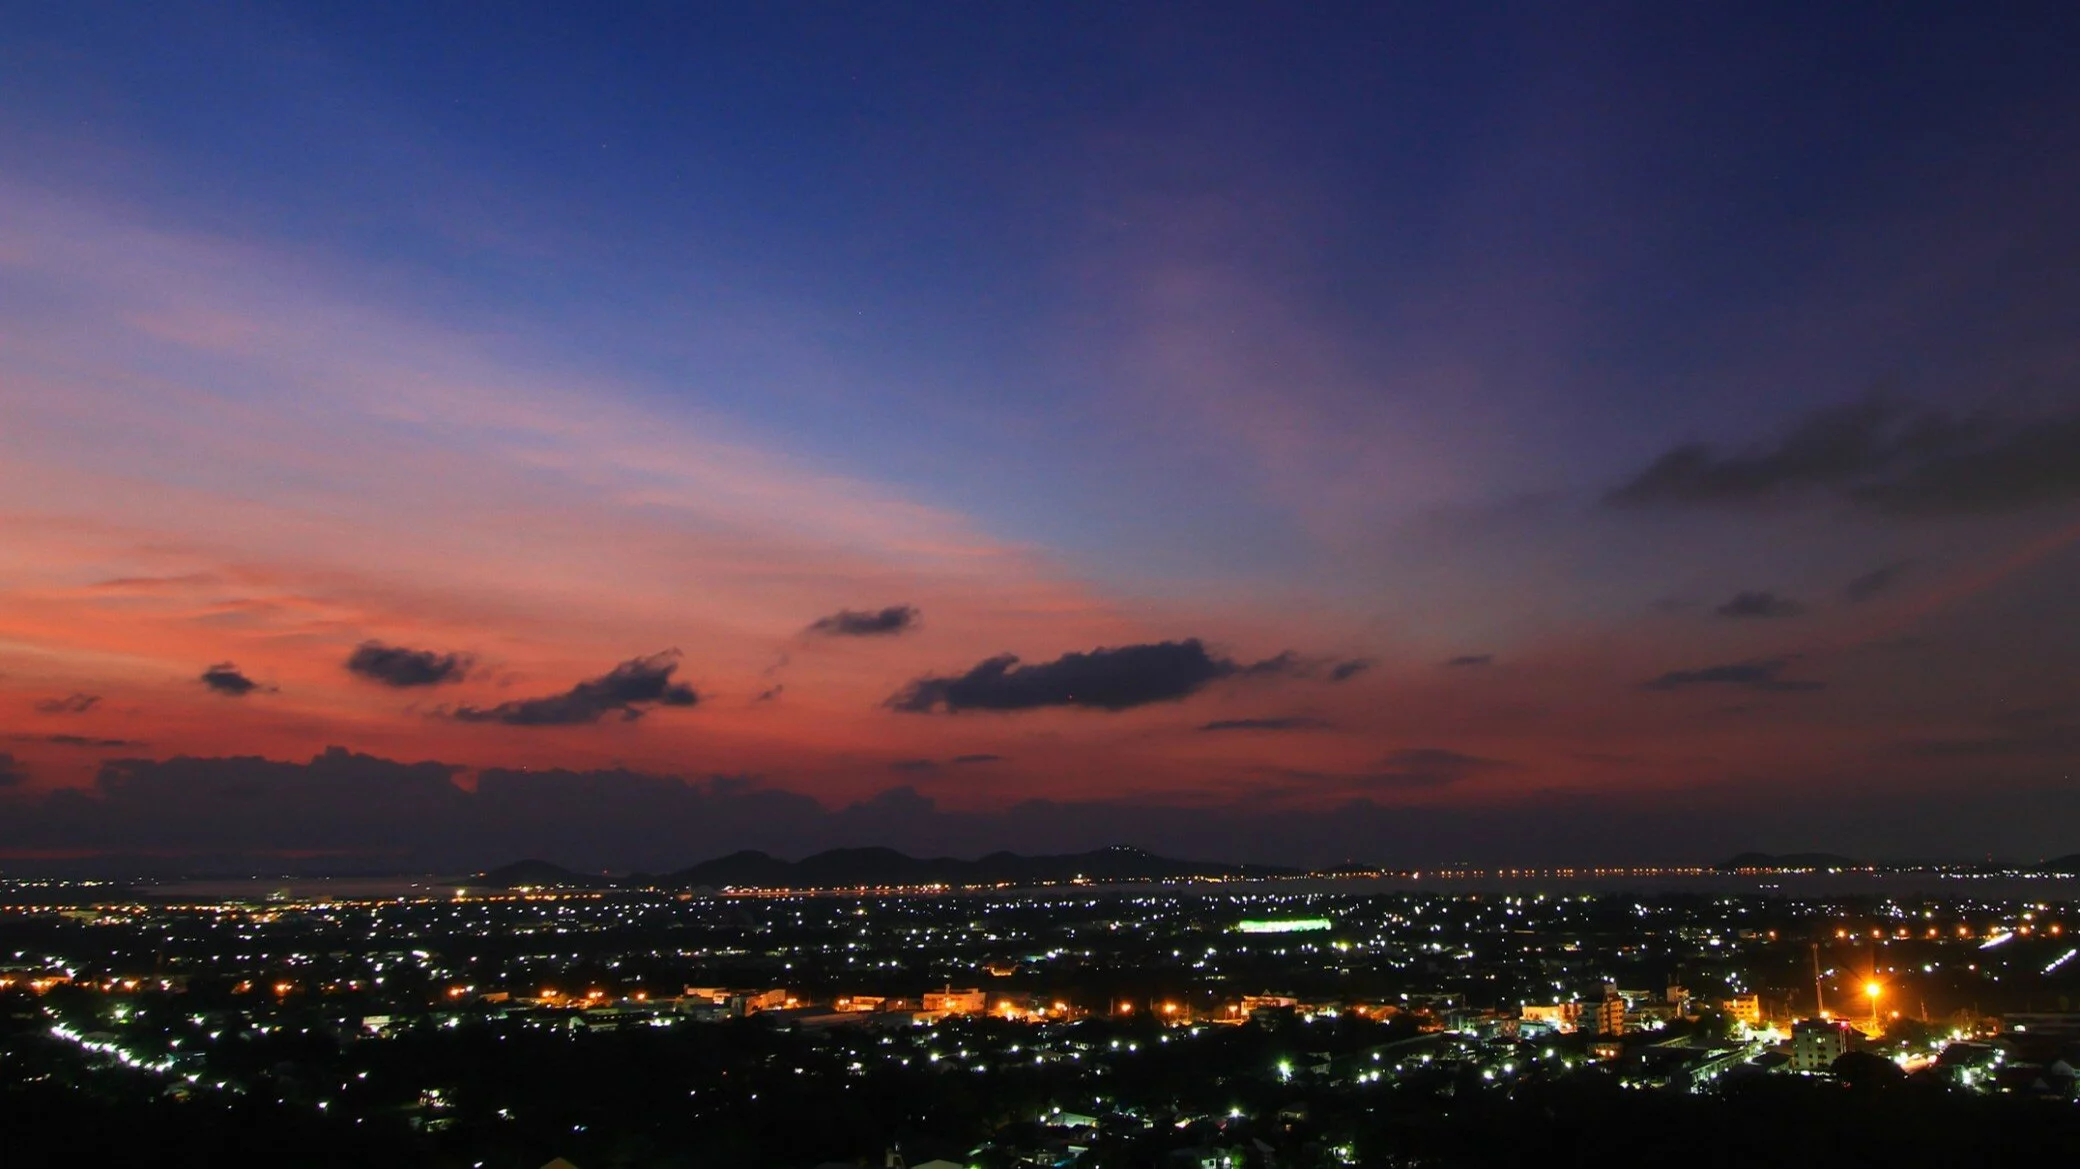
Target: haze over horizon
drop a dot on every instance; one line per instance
(431, 437)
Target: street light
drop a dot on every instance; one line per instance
(1873, 990)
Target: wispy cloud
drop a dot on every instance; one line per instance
(1760, 603)
(74, 703)
(1433, 767)
(1916, 462)
(1286, 723)
(1875, 582)
(1762, 674)
(78, 741)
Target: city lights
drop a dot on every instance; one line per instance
(859, 986)
(1293, 926)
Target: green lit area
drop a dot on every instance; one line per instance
(1296, 925)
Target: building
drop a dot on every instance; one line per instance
(1971, 1065)
(1745, 1008)
(1817, 1043)
(1561, 1017)
(816, 1018)
(1685, 1069)
(1020, 1006)
(955, 1002)
(1651, 1014)
(737, 1003)
(1610, 1013)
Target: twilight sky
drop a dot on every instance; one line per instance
(434, 434)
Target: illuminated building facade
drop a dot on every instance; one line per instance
(956, 1002)
(1610, 1013)
(1561, 1017)
(1817, 1043)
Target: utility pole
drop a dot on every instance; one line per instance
(1819, 1000)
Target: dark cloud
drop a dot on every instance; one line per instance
(1291, 723)
(1432, 767)
(1973, 747)
(2038, 718)
(1825, 449)
(77, 741)
(350, 812)
(1883, 456)
(1291, 665)
(1760, 603)
(70, 704)
(11, 773)
(630, 689)
(1407, 780)
(1464, 660)
(394, 665)
(920, 766)
(866, 622)
(770, 693)
(342, 812)
(224, 678)
(1440, 757)
(1349, 668)
(1762, 674)
(1874, 582)
(730, 785)
(1103, 679)
(2042, 733)
(142, 584)
(1284, 664)
(336, 802)
(1308, 777)
(1409, 769)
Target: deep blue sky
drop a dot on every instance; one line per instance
(1332, 329)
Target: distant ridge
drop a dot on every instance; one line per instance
(2068, 865)
(1790, 860)
(534, 873)
(841, 868)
